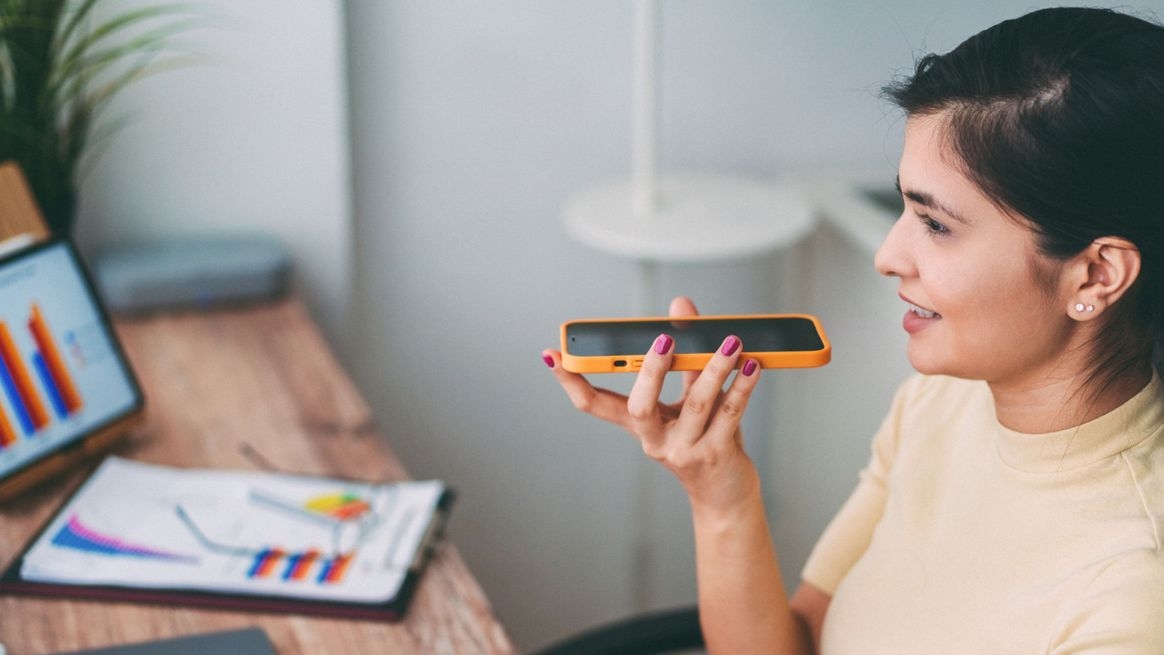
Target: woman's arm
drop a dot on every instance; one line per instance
(743, 607)
(810, 605)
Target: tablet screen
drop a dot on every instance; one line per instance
(62, 373)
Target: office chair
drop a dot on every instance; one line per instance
(664, 631)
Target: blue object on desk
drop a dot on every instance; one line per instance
(248, 641)
(192, 272)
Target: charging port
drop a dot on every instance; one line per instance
(619, 363)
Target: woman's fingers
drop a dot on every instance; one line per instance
(725, 422)
(642, 404)
(703, 399)
(705, 410)
(601, 403)
(683, 306)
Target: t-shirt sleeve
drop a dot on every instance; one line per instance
(849, 533)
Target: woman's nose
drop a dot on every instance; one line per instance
(892, 257)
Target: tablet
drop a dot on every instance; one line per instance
(66, 388)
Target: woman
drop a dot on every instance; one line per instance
(1015, 495)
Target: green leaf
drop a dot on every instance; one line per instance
(58, 71)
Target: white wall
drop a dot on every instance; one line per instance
(251, 135)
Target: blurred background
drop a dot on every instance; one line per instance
(414, 157)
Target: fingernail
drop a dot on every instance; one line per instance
(663, 344)
(750, 367)
(548, 360)
(730, 345)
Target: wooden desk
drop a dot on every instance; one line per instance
(217, 383)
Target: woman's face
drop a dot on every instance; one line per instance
(983, 303)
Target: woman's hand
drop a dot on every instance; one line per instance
(698, 437)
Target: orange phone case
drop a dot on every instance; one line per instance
(630, 362)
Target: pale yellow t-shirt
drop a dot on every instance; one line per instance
(965, 537)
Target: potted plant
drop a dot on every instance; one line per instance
(60, 65)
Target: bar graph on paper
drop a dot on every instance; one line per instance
(311, 564)
(36, 382)
(307, 566)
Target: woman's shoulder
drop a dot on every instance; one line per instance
(1120, 607)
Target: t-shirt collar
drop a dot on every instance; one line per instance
(1099, 439)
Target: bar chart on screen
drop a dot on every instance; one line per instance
(35, 378)
(66, 389)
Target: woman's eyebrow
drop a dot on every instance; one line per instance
(927, 200)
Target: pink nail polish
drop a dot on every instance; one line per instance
(663, 344)
(749, 367)
(548, 360)
(730, 345)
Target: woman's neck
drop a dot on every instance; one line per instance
(1053, 403)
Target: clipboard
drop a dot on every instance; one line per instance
(13, 580)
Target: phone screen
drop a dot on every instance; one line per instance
(759, 334)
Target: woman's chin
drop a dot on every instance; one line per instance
(925, 362)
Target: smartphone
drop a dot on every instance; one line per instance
(620, 344)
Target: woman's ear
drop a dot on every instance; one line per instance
(1101, 274)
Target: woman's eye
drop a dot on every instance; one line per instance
(933, 227)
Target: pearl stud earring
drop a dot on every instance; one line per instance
(1078, 306)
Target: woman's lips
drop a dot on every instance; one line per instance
(918, 318)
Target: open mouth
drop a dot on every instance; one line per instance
(923, 313)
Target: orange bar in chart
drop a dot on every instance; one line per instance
(335, 569)
(268, 560)
(54, 361)
(23, 380)
(298, 565)
(7, 434)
